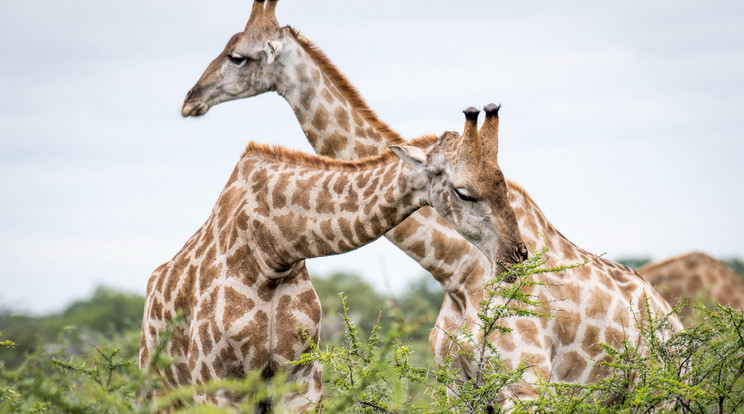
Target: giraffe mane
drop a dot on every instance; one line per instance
(347, 89)
(296, 157)
(516, 187)
(511, 184)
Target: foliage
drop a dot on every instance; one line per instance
(48, 381)
(106, 381)
(377, 375)
(365, 376)
(380, 362)
(6, 344)
(367, 304)
(420, 305)
(106, 314)
(700, 370)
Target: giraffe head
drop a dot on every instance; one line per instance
(245, 66)
(467, 188)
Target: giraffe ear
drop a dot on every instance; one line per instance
(415, 157)
(273, 49)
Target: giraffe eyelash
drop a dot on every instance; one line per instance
(461, 194)
(236, 59)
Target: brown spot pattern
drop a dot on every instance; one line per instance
(333, 144)
(570, 367)
(320, 121)
(342, 119)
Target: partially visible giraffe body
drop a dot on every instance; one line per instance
(597, 299)
(696, 278)
(241, 281)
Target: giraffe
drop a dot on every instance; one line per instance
(338, 123)
(241, 280)
(697, 277)
(266, 57)
(598, 302)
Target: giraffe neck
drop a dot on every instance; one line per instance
(335, 119)
(537, 231)
(298, 211)
(339, 124)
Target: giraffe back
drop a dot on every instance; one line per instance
(697, 278)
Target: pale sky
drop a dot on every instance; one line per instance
(623, 121)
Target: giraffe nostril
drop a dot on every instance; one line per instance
(190, 92)
(521, 253)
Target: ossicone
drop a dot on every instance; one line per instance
(492, 110)
(259, 13)
(471, 114)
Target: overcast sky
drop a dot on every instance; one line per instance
(623, 121)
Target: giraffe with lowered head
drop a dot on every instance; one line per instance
(596, 299)
(241, 280)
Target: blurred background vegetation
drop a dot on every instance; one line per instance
(92, 345)
(114, 316)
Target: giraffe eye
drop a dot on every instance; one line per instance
(236, 59)
(464, 194)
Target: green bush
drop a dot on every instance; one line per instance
(379, 362)
(107, 313)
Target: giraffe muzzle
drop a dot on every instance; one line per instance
(192, 105)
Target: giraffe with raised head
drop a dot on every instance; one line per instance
(599, 297)
(337, 122)
(695, 277)
(266, 57)
(241, 283)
